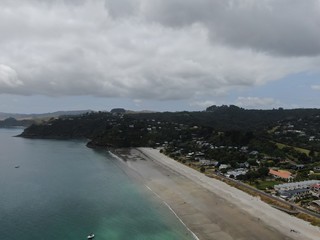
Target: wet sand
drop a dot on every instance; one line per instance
(209, 208)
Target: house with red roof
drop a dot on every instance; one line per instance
(282, 174)
(315, 190)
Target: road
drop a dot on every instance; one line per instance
(294, 206)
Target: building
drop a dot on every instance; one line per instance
(296, 185)
(224, 166)
(298, 166)
(244, 165)
(294, 194)
(236, 172)
(205, 162)
(316, 169)
(315, 190)
(286, 175)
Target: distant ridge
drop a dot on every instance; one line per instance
(138, 112)
(20, 116)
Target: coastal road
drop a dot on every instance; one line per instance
(294, 206)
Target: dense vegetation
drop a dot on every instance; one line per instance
(228, 140)
(239, 126)
(12, 122)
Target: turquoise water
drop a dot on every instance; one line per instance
(64, 190)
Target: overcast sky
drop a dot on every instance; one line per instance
(158, 54)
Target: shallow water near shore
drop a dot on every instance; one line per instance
(63, 190)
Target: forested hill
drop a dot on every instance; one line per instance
(12, 122)
(8, 120)
(34, 116)
(147, 129)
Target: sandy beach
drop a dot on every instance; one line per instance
(210, 208)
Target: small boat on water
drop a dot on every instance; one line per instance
(91, 236)
(17, 166)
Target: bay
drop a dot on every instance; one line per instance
(52, 189)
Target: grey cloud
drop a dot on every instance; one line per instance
(135, 49)
(8, 77)
(285, 27)
(203, 104)
(177, 13)
(122, 8)
(278, 27)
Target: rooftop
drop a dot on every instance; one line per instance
(280, 173)
(298, 184)
(317, 185)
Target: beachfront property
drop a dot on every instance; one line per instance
(294, 194)
(296, 185)
(294, 190)
(236, 172)
(205, 162)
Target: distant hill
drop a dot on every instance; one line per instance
(19, 116)
(12, 122)
(138, 112)
(142, 129)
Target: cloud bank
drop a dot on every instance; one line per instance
(154, 49)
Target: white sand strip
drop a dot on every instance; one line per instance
(281, 221)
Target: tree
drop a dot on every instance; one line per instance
(263, 171)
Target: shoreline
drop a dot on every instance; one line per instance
(124, 159)
(210, 208)
(175, 214)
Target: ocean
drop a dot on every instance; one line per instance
(55, 189)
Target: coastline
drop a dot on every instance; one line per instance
(124, 157)
(209, 208)
(175, 214)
